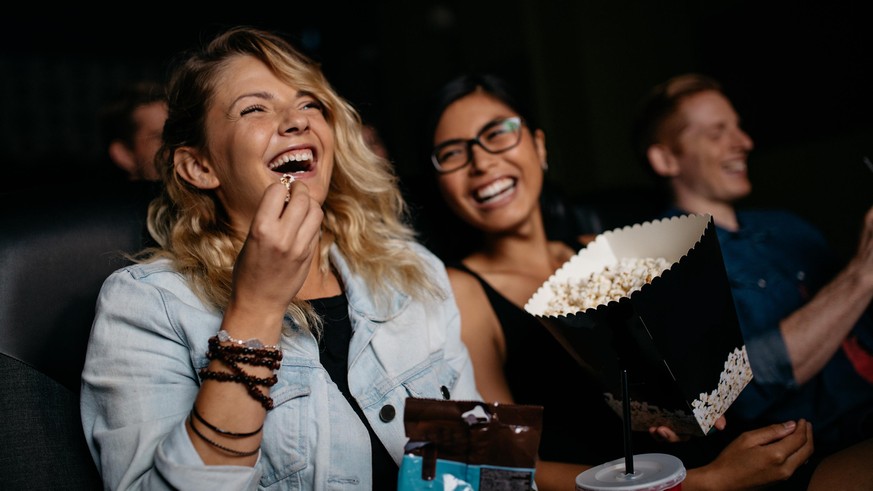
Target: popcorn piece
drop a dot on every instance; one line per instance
(287, 179)
(614, 282)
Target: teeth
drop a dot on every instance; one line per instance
(735, 166)
(291, 157)
(494, 189)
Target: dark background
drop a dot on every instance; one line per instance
(797, 72)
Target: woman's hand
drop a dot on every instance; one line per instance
(756, 458)
(666, 434)
(277, 254)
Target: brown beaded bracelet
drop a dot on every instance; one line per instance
(218, 354)
(238, 377)
(239, 352)
(265, 400)
(225, 336)
(270, 353)
(238, 453)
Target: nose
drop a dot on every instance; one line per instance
(295, 122)
(480, 159)
(743, 140)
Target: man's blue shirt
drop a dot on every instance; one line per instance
(775, 263)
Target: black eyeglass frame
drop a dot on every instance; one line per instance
(468, 144)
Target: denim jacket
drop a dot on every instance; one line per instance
(149, 339)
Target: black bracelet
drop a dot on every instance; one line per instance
(219, 430)
(238, 453)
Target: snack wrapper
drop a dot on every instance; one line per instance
(469, 446)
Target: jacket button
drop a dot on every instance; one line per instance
(387, 413)
(445, 392)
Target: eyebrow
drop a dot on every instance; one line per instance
(270, 96)
(495, 121)
(259, 95)
(479, 131)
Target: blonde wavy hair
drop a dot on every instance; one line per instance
(364, 214)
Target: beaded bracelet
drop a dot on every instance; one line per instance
(225, 353)
(224, 337)
(216, 350)
(238, 453)
(239, 377)
(219, 430)
(251, 352)
(215, 342)
(265, 400)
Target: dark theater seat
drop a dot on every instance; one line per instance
(56, 248)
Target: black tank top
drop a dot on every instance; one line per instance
(578, 426)
(334, 356)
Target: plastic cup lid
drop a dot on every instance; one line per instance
(652, 472)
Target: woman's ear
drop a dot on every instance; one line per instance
(193, 169)
(662, 160)
(539, 138)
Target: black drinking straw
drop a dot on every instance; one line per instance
(626, 419)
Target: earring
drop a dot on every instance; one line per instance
(545, 165)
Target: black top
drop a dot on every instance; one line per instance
(578, 426)
(334, 348)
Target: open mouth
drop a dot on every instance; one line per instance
(494, 190)
(734, 165)
(293, 162)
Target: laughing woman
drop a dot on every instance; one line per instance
(272, 338)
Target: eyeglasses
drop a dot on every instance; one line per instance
(498, 136)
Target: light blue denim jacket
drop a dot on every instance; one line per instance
(149, 339)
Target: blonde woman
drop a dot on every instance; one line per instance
(271, 339)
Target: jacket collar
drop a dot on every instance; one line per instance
(360, 297)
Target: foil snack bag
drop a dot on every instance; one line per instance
(469, 446)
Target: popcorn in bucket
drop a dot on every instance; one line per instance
(654, 299)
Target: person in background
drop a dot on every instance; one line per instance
(273, 337)
(806, 324)
(489, 158)
(131, 124)
(374, 140)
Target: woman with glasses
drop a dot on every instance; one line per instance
(490, 158)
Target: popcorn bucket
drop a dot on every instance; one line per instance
(675, 331)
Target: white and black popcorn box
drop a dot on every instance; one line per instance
(677, 335)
